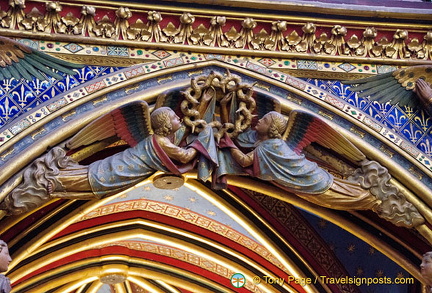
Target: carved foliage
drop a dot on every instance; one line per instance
(218, 31)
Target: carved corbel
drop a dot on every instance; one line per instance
(394, 206)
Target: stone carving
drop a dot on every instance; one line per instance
(57, 175)
(281, 36)
(219, 127)
(394, 206)
(5, 259)
(426, 270)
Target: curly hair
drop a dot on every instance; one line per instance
(161, 121)
(2, 244)
(278, 125)
(428, 254)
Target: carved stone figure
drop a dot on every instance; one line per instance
(272, 159)
(426, 270)
(57, 175)
(5, 259)
(216, 111)
(281, 162)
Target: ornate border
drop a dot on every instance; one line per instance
(188, 216)
(174, 59)
(220, 32)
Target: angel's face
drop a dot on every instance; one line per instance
(5, 258)
(263, 124)
(175, 121)
(426, 266)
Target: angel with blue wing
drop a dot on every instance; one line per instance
(153, 146)
(20, 61)
(409, 86)
(276, 157)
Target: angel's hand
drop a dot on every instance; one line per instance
(208, 94)
(226, 142)
(225, 100)
(424, 91)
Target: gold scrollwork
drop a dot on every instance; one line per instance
(386, 151)
(67, 115)
(36, 133)
(7, 153)
(357, 131)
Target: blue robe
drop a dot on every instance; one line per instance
(129, 167)
(5, 286)
(275, 161)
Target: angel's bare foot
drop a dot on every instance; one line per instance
(50, 188)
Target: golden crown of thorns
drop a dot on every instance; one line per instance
(233, 99)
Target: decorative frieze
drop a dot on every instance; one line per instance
(142, 27)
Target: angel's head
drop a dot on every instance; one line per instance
(426, 266)
(5, 258)
(165, 121)
(272, 124)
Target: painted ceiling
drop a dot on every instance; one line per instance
(192, 238)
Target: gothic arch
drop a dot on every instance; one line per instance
(65, 114)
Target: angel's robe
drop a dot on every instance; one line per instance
(129, 167)
(275, 161)
(5, 286)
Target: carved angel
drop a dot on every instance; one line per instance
(277, 157)
(20, 61)
(152, 147)
(407, 86)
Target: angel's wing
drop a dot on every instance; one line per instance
(265, 104)
(20, 61)
(304, 128)
(394, 87)
(130, 122)
(171, 99)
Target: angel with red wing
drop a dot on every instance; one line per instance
(277, 157)
(152, 147)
